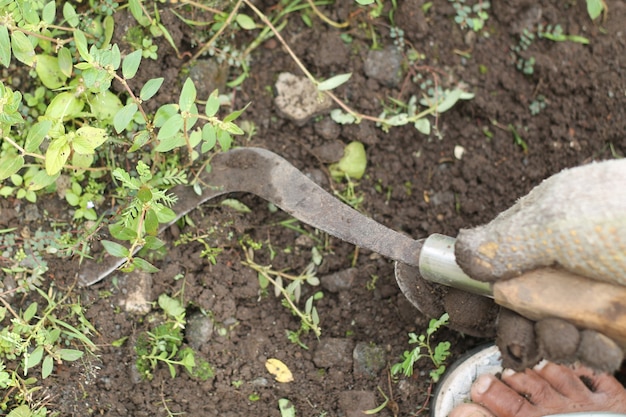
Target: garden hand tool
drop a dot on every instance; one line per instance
(535, 295)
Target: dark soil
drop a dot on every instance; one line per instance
(413, 184)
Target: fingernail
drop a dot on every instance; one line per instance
(542, 364)
(482, 384)
(508, 372)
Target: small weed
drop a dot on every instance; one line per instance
(538, 104)
(437, 354)
(471, 17)
(162, 345)
(39, 338)
(309, 318)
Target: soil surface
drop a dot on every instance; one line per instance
(414, 183)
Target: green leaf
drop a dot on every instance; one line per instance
(150, 88)
(115, 249)
(151, 222)
(187, 96)
(69, 13)
(171, 306)
(130, 64)
(40, 180)
(137, 12)
(47, 366)
(245, 21)
(145, 265)
(153, 243)
(286, 408)
(10, 164)
(236, 204)
(23, 49)
(212, 104)
(353, 162)
(69, 355)
(168, 144)
(5, 46)
(234, 115)
(81, 45)
(57, 154)
(49, 12)
(342, 118)
(64, 106)
(171, 127)
(594, 8)
(422, 125)
(209, 137)
(30, 312)
(120, 232)
(21, 411)
(224, 139)
(87, 139)
(124, 116)
(49, 72)
(334, 82)
(33, 359)
(65, 61)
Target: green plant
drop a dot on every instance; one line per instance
(309, 318)
(163, 345)
(39, 338)
(424, 349)
(471, 17)
(595, 8)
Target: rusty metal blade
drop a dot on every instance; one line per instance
(269, 176)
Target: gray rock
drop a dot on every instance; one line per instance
(384, 66)
(136, 289)
(339, 281)
(198, 330)
(208, 75)
(333, 352)
(354, 403)
(298, 99)
(327, 129)
(369, 359)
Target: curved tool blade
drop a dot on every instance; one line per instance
(269, 176)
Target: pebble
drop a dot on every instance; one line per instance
(369, 359)
(384, 66)
(298, 99)
(137, 292)
(339, 281)
(353, 403)
(208, 75)
(333, 352)
(198, 330)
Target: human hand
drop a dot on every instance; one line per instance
(576, 220)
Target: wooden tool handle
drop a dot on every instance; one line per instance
(581, 301)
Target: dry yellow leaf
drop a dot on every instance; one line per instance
(279, 370)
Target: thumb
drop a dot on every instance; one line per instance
(575, 218)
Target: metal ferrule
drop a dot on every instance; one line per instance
(437, 263)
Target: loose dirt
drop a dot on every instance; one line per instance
(413, 183)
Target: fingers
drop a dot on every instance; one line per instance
(523, 344)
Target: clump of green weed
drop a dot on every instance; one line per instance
(424, 349)
(163, 345)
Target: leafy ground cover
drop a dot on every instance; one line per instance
(106, 106)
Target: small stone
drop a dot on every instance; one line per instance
(31, 213)
(369, 360)
(354, 403)
(330, 152)
(137, 287)
(385, 66)
(333, 352)
(298, 99)
(198, 330)
(339, 281)
(207, 75)
(327, 129)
